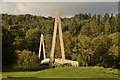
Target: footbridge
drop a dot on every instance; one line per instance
(52, 60)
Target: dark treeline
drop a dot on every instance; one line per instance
(90, 40)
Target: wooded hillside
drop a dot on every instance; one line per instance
(90, 40)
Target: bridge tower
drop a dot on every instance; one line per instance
(57, 24)
(42, 47)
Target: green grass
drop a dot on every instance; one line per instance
(67, 72)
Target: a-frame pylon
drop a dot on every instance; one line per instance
(57, 23)
(42, 45)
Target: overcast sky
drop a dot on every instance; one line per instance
(67, 9)
(60, 0)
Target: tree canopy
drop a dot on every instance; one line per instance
(92, 40)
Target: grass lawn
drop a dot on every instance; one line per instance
(66, 72)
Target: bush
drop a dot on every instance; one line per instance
(44, 66)
(65, 65)
(28, 61)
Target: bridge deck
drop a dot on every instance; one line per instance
(61, 61)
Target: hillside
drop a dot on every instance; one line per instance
(92, 40)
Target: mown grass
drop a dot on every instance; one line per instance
(66, 72)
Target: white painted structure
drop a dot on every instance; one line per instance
(42, 44)
(61, 61)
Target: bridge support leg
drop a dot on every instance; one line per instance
(42, 44)
(57, 23)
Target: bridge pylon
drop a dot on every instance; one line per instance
(57, 24)
(42, 45)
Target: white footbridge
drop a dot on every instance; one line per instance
(51, 60)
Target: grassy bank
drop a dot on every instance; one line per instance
(67, 72)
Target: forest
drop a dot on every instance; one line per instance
(92, 40)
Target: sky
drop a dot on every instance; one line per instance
(67, 9)
(60, 0)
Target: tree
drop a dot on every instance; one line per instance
(112, 23)
(74, 28)
(32, 39)
(28, 61)
(107, 27)
(114, 49)
(117, 23)
(8, 54)
(101, 46)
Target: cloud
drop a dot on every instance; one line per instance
(21, 7)
(67, 8)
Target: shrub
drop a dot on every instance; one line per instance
(65, 65)
(28, 61)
